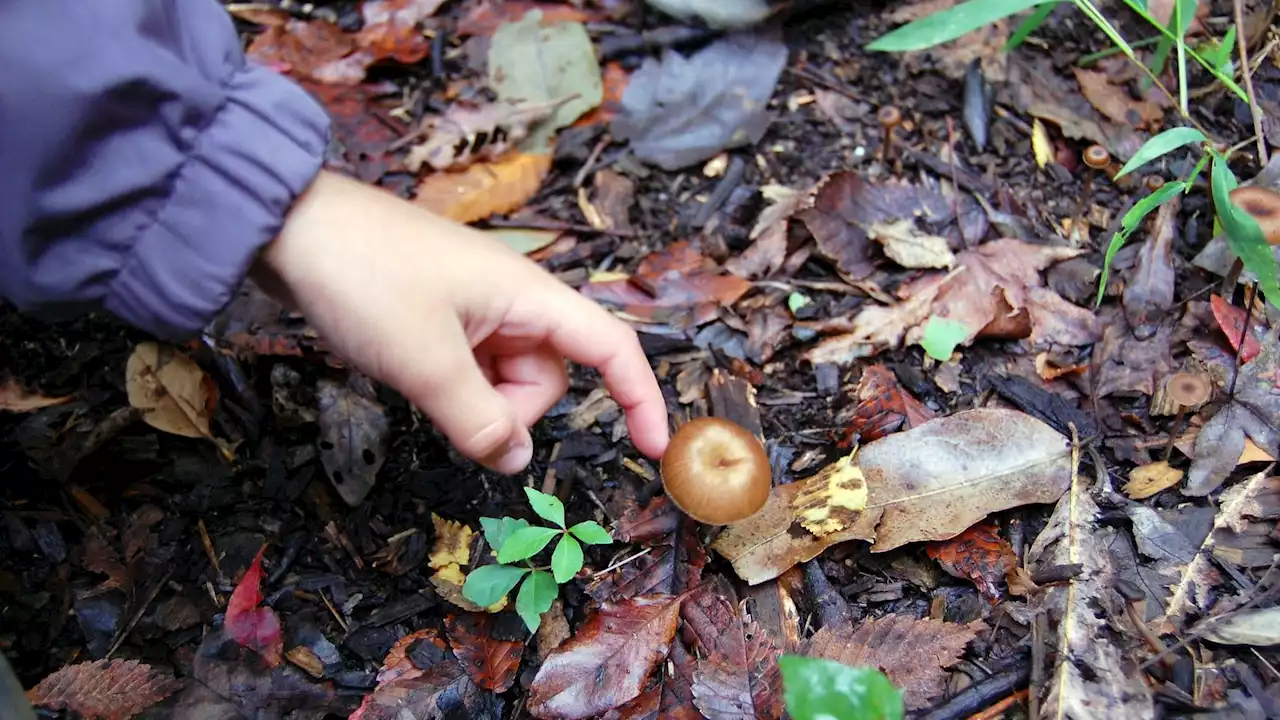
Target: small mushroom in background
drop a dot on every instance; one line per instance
(1181, 392)
(1264, 206)
(716, 471)
(889, 118)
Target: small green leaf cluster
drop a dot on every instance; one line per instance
(516, 540)
(816, 689)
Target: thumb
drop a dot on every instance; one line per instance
(478, 420)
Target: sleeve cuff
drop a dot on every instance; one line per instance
(227, 201)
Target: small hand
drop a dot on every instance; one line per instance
(472, 333)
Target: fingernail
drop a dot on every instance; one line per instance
(517, 457)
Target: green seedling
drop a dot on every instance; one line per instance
(817, 689)
(515, 541)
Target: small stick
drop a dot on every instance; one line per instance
(590, 163)
(208, 547)
(1247, 72)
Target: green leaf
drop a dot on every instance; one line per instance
(541, 63)
(950, 24)
(566, 561)
(524, 240)
(1030, 25)
(488, 584)
(1128, 224)
(525, 543)
(496, 531)
(941, 335)
(818, 689)
(590, 532)
(536, 596)
(548, 507)
(1162, 144)
(1242, 231)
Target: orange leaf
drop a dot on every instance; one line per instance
(253, 627)
(484, 189)
(616, 78)
(108, 689)
(397, 665)
(15, 398)
(977, 554)
(492, 662)
(1231, 321)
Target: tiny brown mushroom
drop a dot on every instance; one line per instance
(716, 471)
(1264, 206)
(1153, 183)
(889, 118)
(1182, 392)
(1096, 157)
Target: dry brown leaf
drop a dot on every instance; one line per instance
(908, 246)
(670, 698)
(1147, 480)
(1091, 676)
(485, 189)
(613, 195)
(914, 653)
(492, 662)
(1040, 91)
(1127, 364)
(608, 662)
(353, 436)
(979, 555)
(15, 398)
(104, 689)
(470, 132)
(443, 689)
(737, 674)
(1115, 101)
(174, 393)
(674, 282)
(928, 483)
(1148, 292)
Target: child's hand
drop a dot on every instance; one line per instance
(472, 333)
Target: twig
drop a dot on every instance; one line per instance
(979, 695)
(336, 615)
(998, 710)
(208, 547)
(621, 562)
(831, 85)
(137, 614)
(1247, 72)
(558, 226)
(590, 163)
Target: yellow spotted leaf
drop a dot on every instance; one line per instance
(831, 500)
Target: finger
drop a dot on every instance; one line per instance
(532, 382)
(446, 383)
(587, 334)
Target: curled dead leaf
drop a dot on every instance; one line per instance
(175, 394)
(485, 189)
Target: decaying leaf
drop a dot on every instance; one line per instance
(1150, 479)
(353, 436)
(103, 689)
(398, 664)
(452, 553)
(1148, 293)
(485, 189)
(978, 554)
(832, 499)
(928, 483)
(442, 688)
(1253, 412)
(17, 399)
(608, 662)
(552, 64)
(468, 133)
(1116, 102)
(667, 284)
(174, 393)
(680, 111)
(253, 627)
(1258, 628)
(914, 653)
(986, 45)
(906, 245)
(1040, 91)
(492, 662)
(670, 697)
(1090, 677)
(737, 675)
(1127, 364)
(883, 407)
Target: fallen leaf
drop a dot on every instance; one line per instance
(926, 484)
(914, 653)
(1253, 412)
(546, 64)
(17, 399)
(1150, 479)
(452, 553)
(978, 554)
(107, 689)
(1127, 364)
(443, 690)
(483, 18)
(362, 129)
(1231, 321)
(673, 565)
(399, 665)
(253, 627)
(477, 132)
(737, 675)
(524, 241)
(615, 79)
(718, 14)
(1148, 293)
(492, 662)
(680, 111)
(1039, 90)
(353, 436)
(832, 498)
(1090, 675)
(175, 394)
(613, 195)
(1256, 628)
(676, 279)
(906, 245)
(1116, 103)
(670, 698)
(484, 189)
(1041, 145)
(883, 408)
(608, 662)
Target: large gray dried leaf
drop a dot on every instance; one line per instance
(545, 64)
(1253, 412)
(682, 110)
(1089, 678)
(353, 437)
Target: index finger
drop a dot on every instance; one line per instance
(588, 335)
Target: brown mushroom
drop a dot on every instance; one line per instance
(889, 118)
(1153, 183)
(716, 471)
(1096, 157)
(1264, 206)
(1180, 393)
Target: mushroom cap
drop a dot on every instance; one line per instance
(1096, 157)
(716, 471)
(889, 115)
(1188, 389)
(1264, 206)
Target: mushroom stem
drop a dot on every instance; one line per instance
(1173, 432)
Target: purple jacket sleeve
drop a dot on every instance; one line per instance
(143, 162)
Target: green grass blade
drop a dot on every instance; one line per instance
(1030, 25)
(1242, 231)
(950, 24)
(1160, 145)
(1128, 224)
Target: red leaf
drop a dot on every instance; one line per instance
(1231, 321)
(738, 672)
(671, 283)
(978, 554)
(253, 627)
(110, 689)
(492, 662)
